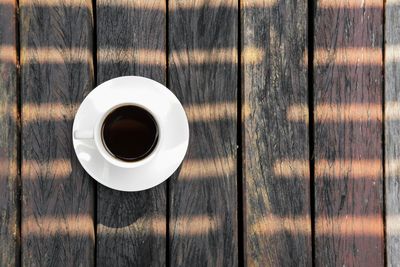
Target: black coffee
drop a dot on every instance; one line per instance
(130, 133)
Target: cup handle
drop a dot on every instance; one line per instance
(83, 134)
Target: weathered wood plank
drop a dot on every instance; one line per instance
(348, 133)
(392, 134)
(203, 74)
(56, 74)
(9, 199)
(131, 227)
(275, 141)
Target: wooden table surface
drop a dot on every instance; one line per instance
(294, 117)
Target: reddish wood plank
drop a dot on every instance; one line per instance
(348, 144)
(9, 198)
(56, 74)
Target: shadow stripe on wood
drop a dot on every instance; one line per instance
(193, 225)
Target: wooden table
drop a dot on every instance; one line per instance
(295, 132)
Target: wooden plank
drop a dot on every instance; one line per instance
(9, 192)
(131, 227)
(56, 74)
(392, 135)
(275, 144)
(348, 143)
(203, 69)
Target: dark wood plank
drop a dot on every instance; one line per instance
(9, 198)
(275, 134)
(348, 133)
(131, 229)
(392, 134)
(203, 74)
(56, 74)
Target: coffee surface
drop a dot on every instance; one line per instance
(130, 133)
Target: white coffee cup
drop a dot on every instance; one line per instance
(97, 135)
(169, 117)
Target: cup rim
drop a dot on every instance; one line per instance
(107, 154)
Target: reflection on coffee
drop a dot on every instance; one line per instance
(130, 133)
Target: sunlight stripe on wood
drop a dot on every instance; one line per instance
(8, 54)
(347, 56)
(58, 111)
(145, 5)
(48, 112)
(199, 4)
(194, 169)
(354, 4)
(56, 3)
(333, 113)
(211, 111)
(44, 226)
(258, 3)
(52, 55)
(353, 169)
(52, 169)
(273, 224)
(140, 56)
(345, 225)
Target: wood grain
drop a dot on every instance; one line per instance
(392, 134)
(203, 71)
(9, 192)
(348, 150)
(57, 194)
(131, 227)
(277, 199)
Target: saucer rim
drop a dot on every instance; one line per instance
(135, 186)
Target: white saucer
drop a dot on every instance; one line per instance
(173, 133)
